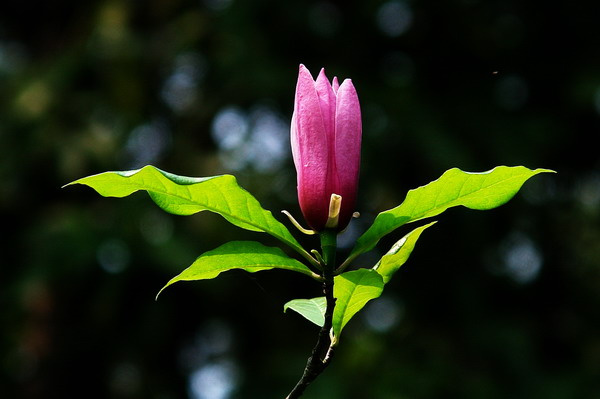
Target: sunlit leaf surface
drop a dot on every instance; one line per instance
(399, 253)
(479, 191)
(352, 291)
(183, 195)
(250, 256)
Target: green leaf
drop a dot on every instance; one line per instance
(312, 309)
(480, 191)
(352, 291)
(399, 253)
(183, 195)
(250, 256)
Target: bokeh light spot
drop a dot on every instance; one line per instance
(113, 256)
(181, 88)
(383, 314)
(521, 258)
(215, 380)
(229, 128)
(212, 372)
(394, 18)
(146, 143)
(587, 192)
(259, 139)
(12, 57)
(35, 99)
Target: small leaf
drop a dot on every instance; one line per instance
(312, 309)
(480, 191)
(250, 256)
(352, 291)
(183, 195)
(399, 253)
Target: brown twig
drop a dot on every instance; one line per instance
(323, 351)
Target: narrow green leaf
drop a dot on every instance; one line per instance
(250, 256)
(312, 309)
(352, 291)
(183, 195)
(479, 191)
(399, 253)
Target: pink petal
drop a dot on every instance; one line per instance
(327, 99)
(335, 84)
(348, 137)
(310, 150)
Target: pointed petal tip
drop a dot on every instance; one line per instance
(347, 87)
(335, 84)
(322, 76)
(304, 71)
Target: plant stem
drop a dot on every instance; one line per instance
(323, 351)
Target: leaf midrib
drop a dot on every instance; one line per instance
(422, 215)
(304, 269)
(212, 209)
(362, 245)
(345, 306)
(445, 204)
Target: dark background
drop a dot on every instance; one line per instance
(498, 304)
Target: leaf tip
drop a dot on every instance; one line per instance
(173, 280)
(159, 292)
(71, 183)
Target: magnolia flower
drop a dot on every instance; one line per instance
(326, 135)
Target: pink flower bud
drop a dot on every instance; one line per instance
(326, 135)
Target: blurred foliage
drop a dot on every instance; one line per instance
(206, 87)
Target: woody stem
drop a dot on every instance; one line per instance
(323, 350)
